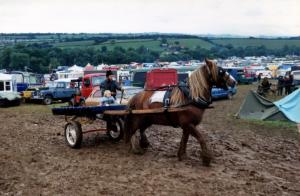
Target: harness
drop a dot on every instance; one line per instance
(199, 102)
(167, 97)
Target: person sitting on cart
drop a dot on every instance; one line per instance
(110, 84)
(107, 99)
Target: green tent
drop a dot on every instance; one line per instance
(258, 107)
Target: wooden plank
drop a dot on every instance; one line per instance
(116, 112)
(145, 111)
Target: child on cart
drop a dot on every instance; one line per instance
(107, 99)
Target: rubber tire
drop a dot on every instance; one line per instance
(78, 131)
(47, 100)
(71, 102)
(82, 103)
(120, 124)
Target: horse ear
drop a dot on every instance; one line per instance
(208, 63)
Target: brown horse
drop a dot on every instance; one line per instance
(199, 85)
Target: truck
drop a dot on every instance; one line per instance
(59, 90)
(85, 86)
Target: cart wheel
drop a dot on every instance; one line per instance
(115, 130)
(73, 134)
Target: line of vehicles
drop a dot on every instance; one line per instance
(77, 91)
(86, 90)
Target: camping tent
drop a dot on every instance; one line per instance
(258, 107)
(88, 67)
(290, 106)
(76, 68)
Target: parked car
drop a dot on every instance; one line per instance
(240, 75)
(296, 77)
(219, 93)
(27, 94)
(264, 73)
(59, 90)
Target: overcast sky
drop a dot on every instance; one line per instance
(239, 17)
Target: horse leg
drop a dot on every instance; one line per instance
(144, 142)
(182, 149)
(135, 146)
(205, 154)
(131, 127)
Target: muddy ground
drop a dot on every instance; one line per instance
(250, 157)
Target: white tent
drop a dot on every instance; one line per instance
(101, 66)
(75, 68)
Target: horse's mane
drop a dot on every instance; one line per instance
(198, 84)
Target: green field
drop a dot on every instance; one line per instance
(192, 43)
(135, 43)
(268, 43)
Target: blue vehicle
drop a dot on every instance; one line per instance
(60, 90)
(240, 75)
(219, 93)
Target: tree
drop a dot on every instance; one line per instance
(103, 49)
(5, 58)
(164, 41)
(19, 61)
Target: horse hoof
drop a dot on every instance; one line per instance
(138, 151)
(206, 159)
(182, 157)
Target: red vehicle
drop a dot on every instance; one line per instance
(158, 78)
(86, 86)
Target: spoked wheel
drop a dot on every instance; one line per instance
(115, 129)
(73, 134)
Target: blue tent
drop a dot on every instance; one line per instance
(290, 106)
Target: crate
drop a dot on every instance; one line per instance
(158, 78)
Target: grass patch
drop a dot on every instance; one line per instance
(283, 129)
(274, 124)
(268, 43)
(136, 43)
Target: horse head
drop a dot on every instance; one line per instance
(219, 77)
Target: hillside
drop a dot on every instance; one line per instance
(150, 41)
(268, 43)
(135, 43)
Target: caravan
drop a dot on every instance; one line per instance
(8, 94)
